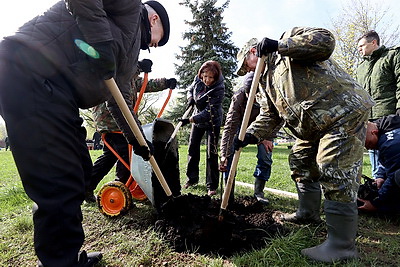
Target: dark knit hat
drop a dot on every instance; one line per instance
(164, 19)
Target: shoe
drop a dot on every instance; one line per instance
(84, 259)
(189, 184)
(212, 192)
(90, 197)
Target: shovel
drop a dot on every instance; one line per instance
(185, 115)
(116, 93)
(228, 187)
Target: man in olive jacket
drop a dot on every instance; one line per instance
(379, 74)
(48, 70)
(327, 111)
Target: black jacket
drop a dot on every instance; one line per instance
(53, 36)
(208, 102)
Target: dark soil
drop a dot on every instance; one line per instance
(192, 223)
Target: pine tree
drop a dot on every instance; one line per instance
(208, 39)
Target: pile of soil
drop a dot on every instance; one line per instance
(192, 223)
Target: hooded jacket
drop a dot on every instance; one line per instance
(53, 35)
(379, 74)
(302, 86)
(208, 102)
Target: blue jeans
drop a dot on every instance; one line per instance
(263, 167)
(264, 162)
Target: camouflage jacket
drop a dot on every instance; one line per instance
(306, 89)
(105, 122)
(379, 74)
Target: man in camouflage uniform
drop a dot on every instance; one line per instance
(379, 74)
(105, 124)
(327, 111)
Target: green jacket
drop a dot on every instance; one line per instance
(379, 74)
(306, 89)
(105, 123)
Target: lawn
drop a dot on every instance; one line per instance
(130, 240)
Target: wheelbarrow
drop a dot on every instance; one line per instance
(115, 198)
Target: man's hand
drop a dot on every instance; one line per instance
(171, 83)
(248, 139)
(367, 205)
(145, 65)
(223, 164)
(269, 145)
(104, 64)
(184, 121)
(144, 151)
(379, 182)
(266, 46)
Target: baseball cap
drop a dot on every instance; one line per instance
(241, 55)
(164, 19)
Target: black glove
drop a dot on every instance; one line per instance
(145, 65)
(171, 83)
(104, 64)
(248, 139)
(143, 151)
(398, 112)
(266, 46)
(184, 121)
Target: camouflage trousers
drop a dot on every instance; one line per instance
(334, 159)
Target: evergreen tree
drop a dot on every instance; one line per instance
(208, 39)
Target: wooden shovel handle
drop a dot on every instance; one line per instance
(228, 187)
(116, 93)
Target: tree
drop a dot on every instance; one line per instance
(358, 17)
(208, 39)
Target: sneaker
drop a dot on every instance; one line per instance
(189, 184)
(90, 197)
(212, 192)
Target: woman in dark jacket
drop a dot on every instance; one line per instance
(206, 94)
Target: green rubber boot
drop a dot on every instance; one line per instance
(340, 244)
(308, 211)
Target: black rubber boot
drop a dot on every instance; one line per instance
(308, 211)
(84, 259)
(259, 191)
(89, 259)
(340, 244)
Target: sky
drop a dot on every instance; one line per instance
(244, 18)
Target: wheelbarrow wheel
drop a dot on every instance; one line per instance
(114, 199)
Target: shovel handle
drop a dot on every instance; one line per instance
(116, 93)
(228, 187)
(141, 92)
(165, 104)
(185, 115)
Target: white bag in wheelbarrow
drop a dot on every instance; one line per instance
(158, 132)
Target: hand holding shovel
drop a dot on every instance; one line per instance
(228, 187)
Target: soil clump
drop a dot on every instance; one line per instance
(190, 223)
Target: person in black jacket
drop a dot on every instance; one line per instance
(52, 66)
(206, 94)
(384, 135)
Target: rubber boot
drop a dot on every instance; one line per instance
(259, 191)
(308, 211)
(340, 244)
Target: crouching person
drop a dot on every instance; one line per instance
(384, 135)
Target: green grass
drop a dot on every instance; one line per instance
(130, 240)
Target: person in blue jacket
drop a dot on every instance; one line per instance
(384, 135)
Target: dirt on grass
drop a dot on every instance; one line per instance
(192, 223)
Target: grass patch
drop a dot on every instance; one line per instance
(130, 240)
